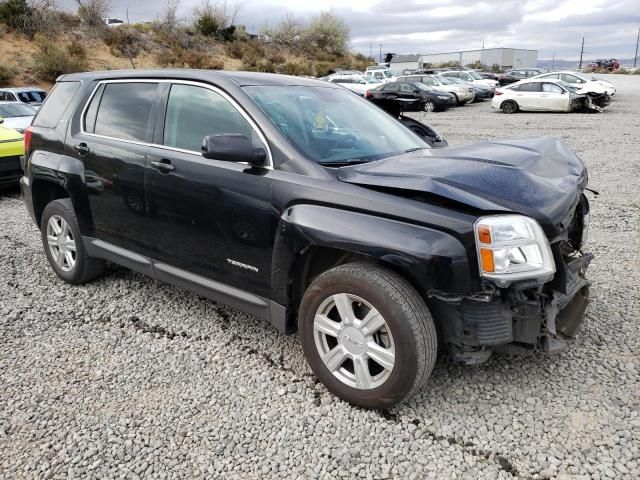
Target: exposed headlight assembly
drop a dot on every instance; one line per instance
(512, 248)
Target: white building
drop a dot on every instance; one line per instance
(506, 58)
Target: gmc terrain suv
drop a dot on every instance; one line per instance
(298, 202)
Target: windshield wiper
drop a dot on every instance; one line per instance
(415, 149)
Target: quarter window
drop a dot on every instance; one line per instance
(53, 109)
(195, 112)
(124, 110)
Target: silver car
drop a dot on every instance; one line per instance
(34, 96)
(16, 115)
(464, 94)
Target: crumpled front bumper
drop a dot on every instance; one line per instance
(518, 319)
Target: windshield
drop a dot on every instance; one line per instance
(33, 96)
(389, 73)
(332, 126)
(9, 110)
(568, 86)
(475, 76)
(422, 86)
(445, 81)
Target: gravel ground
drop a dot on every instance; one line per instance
(129, 378)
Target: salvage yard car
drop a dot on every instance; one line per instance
(462, 93)
(33, 96)
(11, 149)
(542, 95)
(410, 97)
(582, 82)
(300, 203)
(16, 115)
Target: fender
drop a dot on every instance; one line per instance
(431, 259)
(67, 173)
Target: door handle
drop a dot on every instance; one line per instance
(82, 149)
(164, 165)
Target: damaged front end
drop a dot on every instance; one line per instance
(524, 316)
(590, 101)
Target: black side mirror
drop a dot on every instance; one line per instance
(232, 147)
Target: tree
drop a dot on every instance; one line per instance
(328, 32)
(92, 12)
(216, 19)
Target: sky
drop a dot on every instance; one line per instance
(425, 26)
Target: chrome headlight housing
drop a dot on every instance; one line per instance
(512, 248)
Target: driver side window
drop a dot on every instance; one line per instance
(194, 112)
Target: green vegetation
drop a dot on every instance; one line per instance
(52, 60)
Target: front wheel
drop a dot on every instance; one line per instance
(367, 335)
(429, 106)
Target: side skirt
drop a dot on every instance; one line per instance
(255, 305)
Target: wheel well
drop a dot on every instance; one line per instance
(508, 100)
(43, 193)
(317, 260)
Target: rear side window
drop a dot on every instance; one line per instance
(124, 110)
(57, 102)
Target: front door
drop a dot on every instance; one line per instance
(209, 217)
(110, 140)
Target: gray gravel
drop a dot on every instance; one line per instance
(129, 378)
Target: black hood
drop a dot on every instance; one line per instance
(538, 177)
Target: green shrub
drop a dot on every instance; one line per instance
(12, 12)
(182, 58)
(7, 72)
(52, 60)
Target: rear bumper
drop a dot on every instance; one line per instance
(10, 171)
(517, 319)
(25, 187)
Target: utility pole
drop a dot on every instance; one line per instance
(370, 49)
(380, 53)
(581, 53)
(553, 62)
(635, 59)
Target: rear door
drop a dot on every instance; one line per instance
(115, 127)
(528, 95)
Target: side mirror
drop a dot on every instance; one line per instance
(232, 147)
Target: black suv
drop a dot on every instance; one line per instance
(298, 202)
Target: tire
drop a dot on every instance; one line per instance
(408, 335)
(82, 268)
(458, 102)
(509, 106)
(429, 106)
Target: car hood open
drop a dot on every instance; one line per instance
(538, 177)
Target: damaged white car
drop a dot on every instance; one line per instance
(581, 81)
(543, 95)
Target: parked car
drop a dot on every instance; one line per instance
(463, 93)
(34, 96)
(583, 82)
(515, 75)
(356, 83)
(543, 95)
(488, 75)
(297, 202)
(397, 97)
(113, 22)
(383, 75)
(11, 149)
(480, 92)
(469, 76)
(16, 115)
(610, 64)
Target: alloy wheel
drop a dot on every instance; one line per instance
(354, 341)
(61, 243)
(429, 106)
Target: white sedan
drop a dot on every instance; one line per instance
(544, 95)
(356, 83)
(581, 81)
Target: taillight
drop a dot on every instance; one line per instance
(27, 140)
(498, 92)
(367, 94)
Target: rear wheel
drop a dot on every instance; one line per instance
(509, 106)
(63, 244)
(367, 335)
